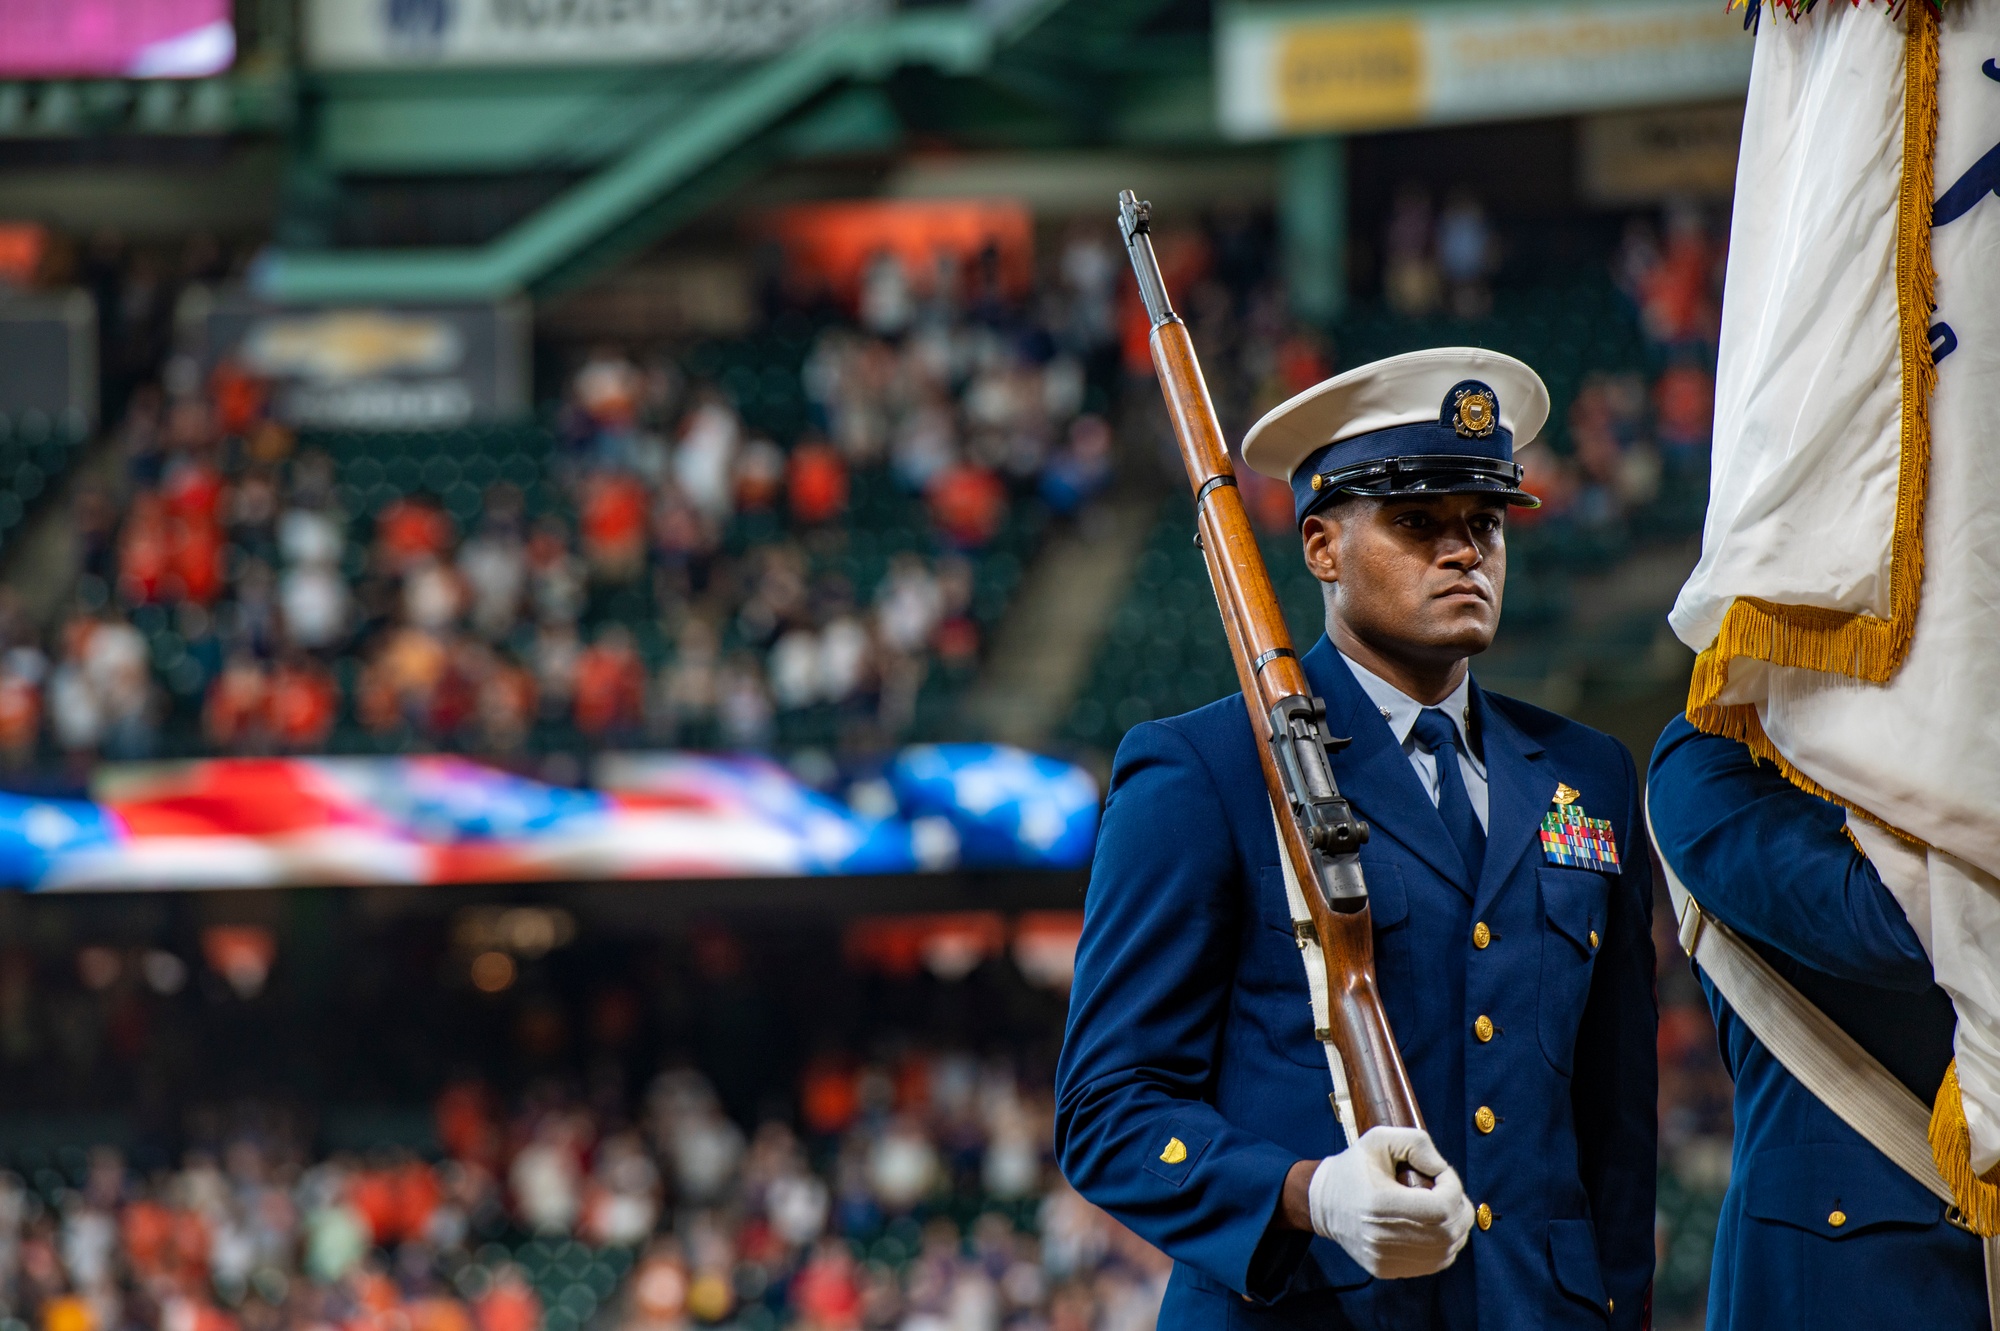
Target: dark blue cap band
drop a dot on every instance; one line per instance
(1443, 438)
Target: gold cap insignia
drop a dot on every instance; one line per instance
(1567, 795)
(1176, 1151)
(1318, 480)
(1475, 413)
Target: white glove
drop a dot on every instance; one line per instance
(1391, 1230)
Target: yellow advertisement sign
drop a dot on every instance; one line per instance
(1351, 72)
(1304, 69)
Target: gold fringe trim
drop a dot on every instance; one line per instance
(1834, 642)
(1951, 1147)
(1798, 9)
(1739, 721)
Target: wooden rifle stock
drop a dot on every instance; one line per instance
(1319, 832)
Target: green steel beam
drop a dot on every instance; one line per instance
(599, 208)
(487, 121)
(1312, 222)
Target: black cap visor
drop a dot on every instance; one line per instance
(1424, 477)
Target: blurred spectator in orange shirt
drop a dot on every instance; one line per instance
(411, 530)
(197, 555)
(1301, 363)
(143, 550)
(21, 674)
(437, 1314)
(1684, 406)
(829, 1096)
(826, 1292)
(147, 1231)
(239, 397)
(235, 717)
(818, 482)
(1677, 301)
(380, 1302)
(613, 522)
(610, 685)
(194, 490)
(397, 1202)
(303, 703)
(467, 1125)
(968, 504)
(1548, 476)
(510, 1305)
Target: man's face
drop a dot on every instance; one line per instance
(1419, 580)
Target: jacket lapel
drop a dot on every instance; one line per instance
(1519, 790)
(1375, 773)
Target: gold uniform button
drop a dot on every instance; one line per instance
(1484, 1215)
(1176, 1151)
(1483, 1028)
(1482, 1118)
(1837, 1219)
(1611, 1305)
(1481, 935)
(1593, 938)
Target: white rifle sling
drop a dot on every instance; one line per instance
(1315, 963)
(1826, 1060)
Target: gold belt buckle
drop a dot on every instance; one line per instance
(1691, 923)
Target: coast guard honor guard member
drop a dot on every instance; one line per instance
(1819, 1228)
(1512, 903)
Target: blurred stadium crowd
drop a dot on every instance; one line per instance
(910, 1190)
(919, 1197)
(802, 537)
(648, 568)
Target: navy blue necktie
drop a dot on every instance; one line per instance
(1437, 736)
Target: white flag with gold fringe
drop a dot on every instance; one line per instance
(1847, 602)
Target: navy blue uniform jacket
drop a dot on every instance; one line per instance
(1773, 863)
(1189, 1018)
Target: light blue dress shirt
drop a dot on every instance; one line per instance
(1400, 710)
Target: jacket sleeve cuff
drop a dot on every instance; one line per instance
(1275, 1261)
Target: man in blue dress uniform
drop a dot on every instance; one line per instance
(1512, 904)
(1818, 1228)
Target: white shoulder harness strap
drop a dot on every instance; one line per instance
(1827, 1060)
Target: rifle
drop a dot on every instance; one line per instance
(1318, 830)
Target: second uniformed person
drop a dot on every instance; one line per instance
(1512, 910)
(1819, 1228)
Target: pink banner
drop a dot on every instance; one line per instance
(130, 38)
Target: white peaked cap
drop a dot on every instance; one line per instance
(1409, 389)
